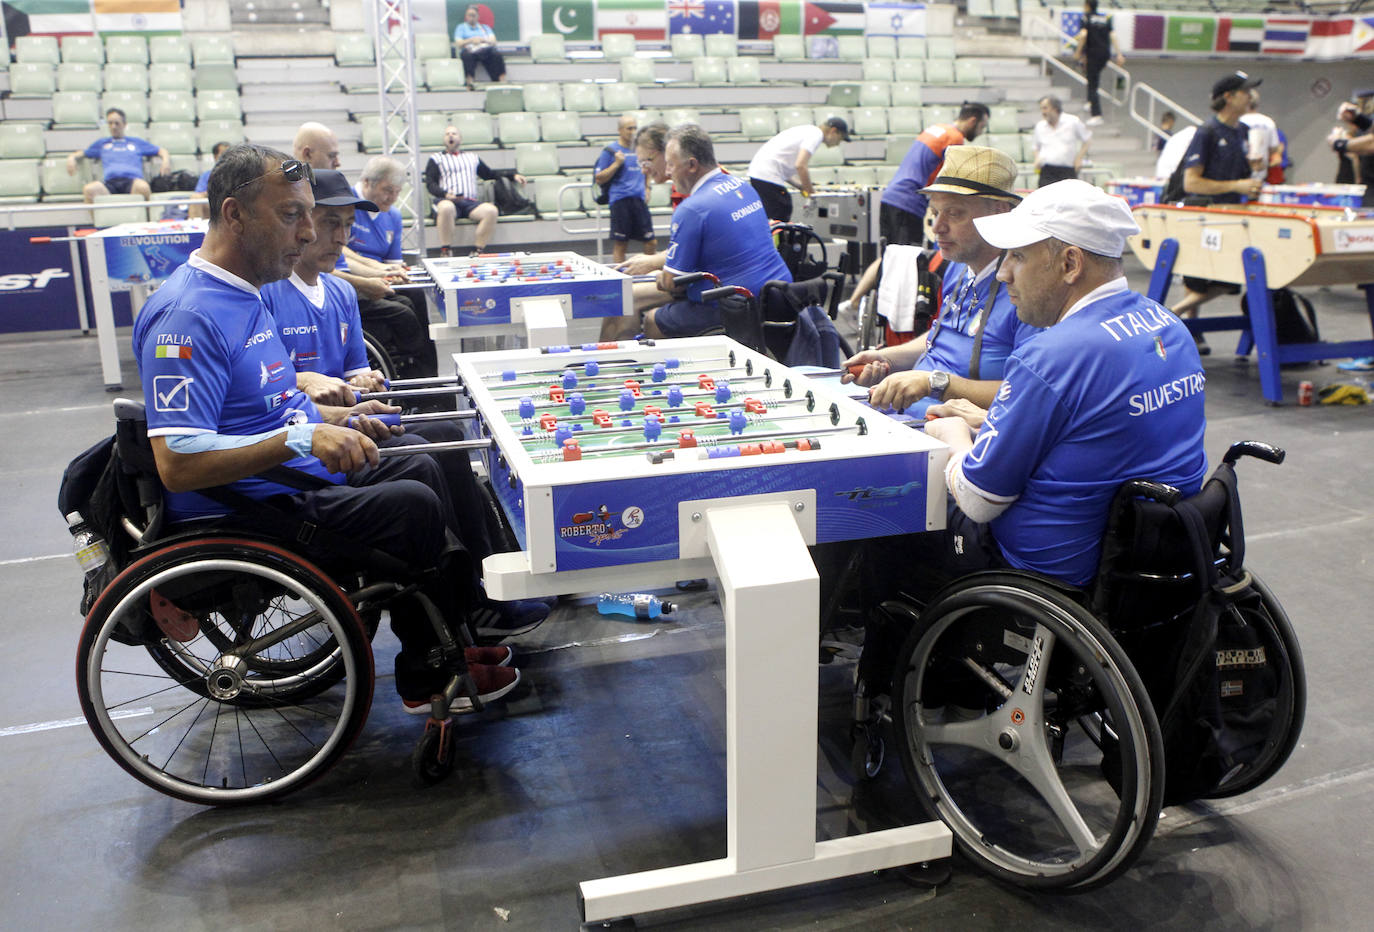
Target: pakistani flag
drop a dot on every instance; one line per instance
(572, 19)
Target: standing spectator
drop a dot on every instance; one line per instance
(121, 160)
(1096, 47)
(477, 46)
(618, 166)
(451, 178)
(1061, 141)
(1354, 140)
(1263, 146)
(1166, 124)
(1216, 166)
(785, 159)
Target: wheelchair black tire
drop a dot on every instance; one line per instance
(202, 743)
(378, 357)
(1124, 812)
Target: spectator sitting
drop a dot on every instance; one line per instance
(121, 160)
(477, 46)
(451, 178)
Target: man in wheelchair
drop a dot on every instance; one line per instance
(222, 407)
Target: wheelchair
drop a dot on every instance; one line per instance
(770, 321)
(219, 666)
(1040, 721)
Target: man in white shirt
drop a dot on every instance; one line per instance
(1263, 147)
(784, 160)
(1061, 141)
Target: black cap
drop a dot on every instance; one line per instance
(841, 125)
(331, 189)
(1234, 82)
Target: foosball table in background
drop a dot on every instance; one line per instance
(843, 213)
(633, 465)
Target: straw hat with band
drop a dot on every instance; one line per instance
(977, 171)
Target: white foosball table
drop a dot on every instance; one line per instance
(633, 465)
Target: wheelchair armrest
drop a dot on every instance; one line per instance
(1264, 451)
(130, 409)
(1144, 488)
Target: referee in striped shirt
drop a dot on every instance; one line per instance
(451, 177)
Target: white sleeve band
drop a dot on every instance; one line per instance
(979, 505)
(201, 443)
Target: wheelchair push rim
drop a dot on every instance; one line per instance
(221, 727)
(1022, 787)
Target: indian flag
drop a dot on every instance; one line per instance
(167, 351)
(644, 19)
(137, 16)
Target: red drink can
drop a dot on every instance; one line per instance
(1304, 393)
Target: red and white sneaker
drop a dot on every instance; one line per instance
(492, 683)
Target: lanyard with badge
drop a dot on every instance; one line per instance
(958, 315)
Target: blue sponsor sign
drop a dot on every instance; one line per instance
(37, 290)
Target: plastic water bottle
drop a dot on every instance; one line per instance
(91, 550)
(637, 605)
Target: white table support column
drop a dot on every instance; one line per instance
(106, 337)
(769, 593)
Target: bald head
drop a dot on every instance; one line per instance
(316, 146)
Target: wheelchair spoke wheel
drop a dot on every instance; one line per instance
(991, 689)
(253, 675)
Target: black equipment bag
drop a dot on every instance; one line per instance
(179, 180)
(1294, 319)
(508, 199)
(603, 191)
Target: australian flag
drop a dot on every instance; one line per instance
(701, 16)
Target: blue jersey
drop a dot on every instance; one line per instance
(211, 363)
(377, 235)
(721, 228)
(464, 31)
(1220, 150)
(1112, 392)
(629, 181)
(121, 158)
(327, 339)
(203, 182)
(919, 167)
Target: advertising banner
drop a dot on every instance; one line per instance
(37, 290)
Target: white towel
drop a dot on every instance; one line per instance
(897, 288)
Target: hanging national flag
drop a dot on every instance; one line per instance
(701, 16)
(137, 16)
(503, 16)
(764, 19)
(47, 18)
(1148, 34)
(1364, 34)
(1070, 22)
(1331, 38)
(841, 18)
(896, 19)
(572, 19)
(646, 20)
(1285, 36)
(1190, 34)
(1239, 35)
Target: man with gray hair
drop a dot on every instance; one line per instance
(374, 247)
(1061, 142)
(720, 228)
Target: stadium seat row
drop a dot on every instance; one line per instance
(132, 49)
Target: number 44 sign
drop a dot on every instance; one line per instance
(1211, 239)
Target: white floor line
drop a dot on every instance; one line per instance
(1281, 794)
(104, 406)
(66, 723)
(1265, 535)
(50, 556)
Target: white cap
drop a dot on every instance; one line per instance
(1072, 211)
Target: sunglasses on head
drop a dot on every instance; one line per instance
(292, 170)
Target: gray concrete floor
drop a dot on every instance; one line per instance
(612, 760)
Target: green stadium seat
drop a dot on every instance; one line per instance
(444, 74)
(675, 116)
(862, 175)
(823, 175)
(517, 126)
(661, 198)
(1004, 118)
(742, 70)
(789, 48)
(215, 108)
(37, 49)
(560, 126)
(429, 128)
(939, 71)
(852, 48)
(843, 94)
(938, 114)
(372, 131)
(789, 117)
(19, 181)
(875, 94)
(870, 121)
(508, 98)
(133, 103)
(911, 47)
(1010, 143)
(877, 69)
(828, 155)
(686, 46)
(543, 97)
(75, 108)
(132, 50)
(215, 77)
(126, 76)
(22, 141)
(722, 45)
(533, 159)
(354, 48)
(212, 50)
(547, 201)
(131, 214)
(582, 97)
(707, 71)
(477, 127)
(906, 93)
(636, 71)
(904, 120)
(967, 71)
(616, 46)
(32, 79)
(85, 49)
(169, 76)
(883, 175)
(882, 46)
(620, 98)
(174, 106)
(909, 69)
(758, 122)
(897, 147)
(174, 49)
(643, 117)
(178, 137)
(80, 76)
(210, 132)
(432, 45)
(940, 48)
(548, 47)
(57, 184)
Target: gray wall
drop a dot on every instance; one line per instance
(1290, 94)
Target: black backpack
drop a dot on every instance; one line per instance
(1294, 319)
(603, 191)
(179, 180)
(508, 198)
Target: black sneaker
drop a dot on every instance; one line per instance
(1202, 348)
(496, 620)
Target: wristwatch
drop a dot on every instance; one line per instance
(939, 383)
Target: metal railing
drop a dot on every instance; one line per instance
(1046, 41)
(1147, 116)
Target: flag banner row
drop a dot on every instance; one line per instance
(90, 17)
(657, 20)
(1279, 36)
